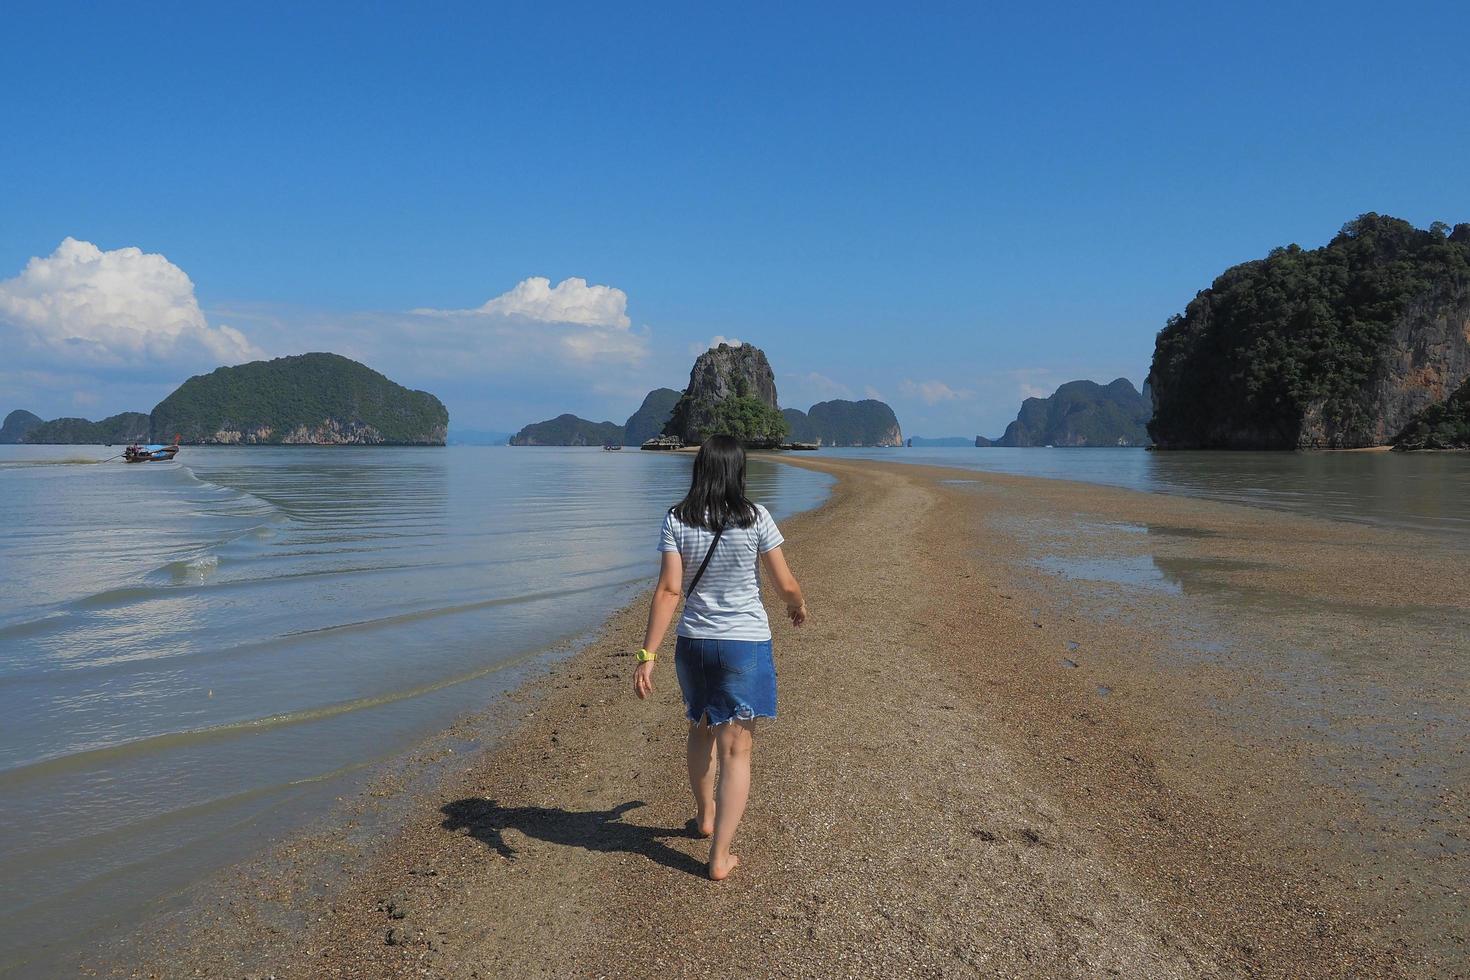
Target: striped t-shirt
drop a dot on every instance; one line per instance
(727, 604)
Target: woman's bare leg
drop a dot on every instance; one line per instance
(732, 743)
(701, 753)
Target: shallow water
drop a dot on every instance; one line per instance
(1423, 491)
(200, 655)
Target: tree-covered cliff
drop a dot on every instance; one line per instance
(309, 398)
(17, 424)
(651, 416)
(568, 430)
(840, 422)
(117, 429)
(1442, 426)
(732, 391)
(1082, 413)
(798, 425)
(1333, 347)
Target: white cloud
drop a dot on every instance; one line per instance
(118, 307)
(569, 301)
(569, 321)
(932, 392)
(870, 392)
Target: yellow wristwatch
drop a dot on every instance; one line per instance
(644, 656)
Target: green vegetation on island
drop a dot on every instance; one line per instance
(651, 417)
(747, 418)
(308, 398)
(731, 391)
(1081, 413)
(1442, 426)
(1333, 347)
(117, 429)
(841, 422)
(17, 424)
(568, 430)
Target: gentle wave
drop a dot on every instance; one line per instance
(17, 776)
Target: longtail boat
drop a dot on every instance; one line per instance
(137, 453)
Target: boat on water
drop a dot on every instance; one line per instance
(150, 454)
(611, 447)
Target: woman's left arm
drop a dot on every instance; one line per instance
(666, 597)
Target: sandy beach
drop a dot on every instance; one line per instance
(995, 757)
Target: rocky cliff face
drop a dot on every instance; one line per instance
(1337, 347)
(1445, 425)
(721, 375)
(1426, 357)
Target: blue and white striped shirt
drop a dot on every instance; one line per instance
(727, 604)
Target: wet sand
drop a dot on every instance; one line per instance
(995, 757)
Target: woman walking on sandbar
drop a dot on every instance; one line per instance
(712, 543)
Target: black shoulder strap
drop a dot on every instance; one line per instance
(694, 584)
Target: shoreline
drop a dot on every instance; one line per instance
(1051, 791)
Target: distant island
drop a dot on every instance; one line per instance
(732, 389)
(17, 425)
(651, 417)
(568, 430)
(845, 423)
(1338, 347)
(306, 399)
(1081, 413)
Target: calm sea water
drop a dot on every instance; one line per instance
(199, 655)
(1423, 491)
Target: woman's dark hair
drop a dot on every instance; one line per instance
(716, 495)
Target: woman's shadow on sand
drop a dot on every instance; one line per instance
(592, 830)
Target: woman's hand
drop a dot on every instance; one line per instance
(643, 679)
(797, 614)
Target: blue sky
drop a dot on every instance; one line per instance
(949, 206)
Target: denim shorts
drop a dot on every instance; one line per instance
(725, 679)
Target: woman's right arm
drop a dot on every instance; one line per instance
(786, 585)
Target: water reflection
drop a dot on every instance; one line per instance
(195, 655)
(1423, 491)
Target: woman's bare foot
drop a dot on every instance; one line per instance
(719, 871)
(700, 828)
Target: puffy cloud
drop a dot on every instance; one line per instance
(569, 301)
(932, 392)
(871, 392)
(570, 321)
(118, 307)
